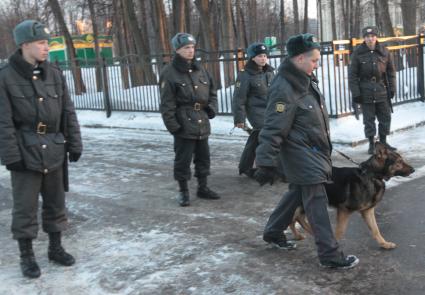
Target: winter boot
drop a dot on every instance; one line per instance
(183, 197)
(29, 266)
(371, 149)
(383, 139)
(56, 252)
(204, 192)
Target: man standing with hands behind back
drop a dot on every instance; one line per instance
(34, 106)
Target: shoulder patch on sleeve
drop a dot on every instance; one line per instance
(238, 84)
(280, 107)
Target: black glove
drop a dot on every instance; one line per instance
(391, 94)
(16, 166)
(176, 132)
(358, 99)
(210, 112)
(74, 157)
(264, 175)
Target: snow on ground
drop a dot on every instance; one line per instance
(346, 130)
(129, 236)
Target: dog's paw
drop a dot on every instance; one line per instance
(388, 245)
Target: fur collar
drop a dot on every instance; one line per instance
(252, 68)
(182, 65)
(24, 68)
(379, 48)
(299, 80)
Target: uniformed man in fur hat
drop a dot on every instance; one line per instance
(372, 81)
(188, 102)
(296, 127)
(37, 120)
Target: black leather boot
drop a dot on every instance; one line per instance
(371, 149)
(383, 139)
(29, 266)
(56, 252)
(183, 197)
(204, 192)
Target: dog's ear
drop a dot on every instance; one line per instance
(381, 150)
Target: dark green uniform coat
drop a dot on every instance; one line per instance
(369, 72)
(188, 99)
(26, 101)
(296, 125)
(250, 96)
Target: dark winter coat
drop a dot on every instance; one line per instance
(188, 99)
(369, 72)
(296, 125)
(26, 100)
(250, 96)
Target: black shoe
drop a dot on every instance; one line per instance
(343, 262)
(29, 267)
(280, 242)
(60, 256)
(56, 252)
(184, 198)
(205, 193)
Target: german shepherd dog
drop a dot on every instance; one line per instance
(359, 189)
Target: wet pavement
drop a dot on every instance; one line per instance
(130, 237)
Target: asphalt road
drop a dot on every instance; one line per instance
(130, 237)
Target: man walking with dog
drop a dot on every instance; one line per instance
(372, 81)
(37, 118)
(250, 101)
(296, 127)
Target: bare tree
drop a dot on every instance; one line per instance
(241, 34)
(333, 20)
(408, 11)
(305, 25)
(296, 17)
(76, 70)
(208, 36)
(384, 19)
(99, 62)
(282, 21)
(179, 11)
(228, 38)
(252, 14)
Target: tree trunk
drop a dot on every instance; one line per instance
(163, 38)
(384, 18)
(408, 12)
(296, 17)
(241, 34)
(209, 37)
(282, 21)
(99, 61)
(252, 14)
(179, 10)
(356, 28)
(228, 38)
(305, 26)
(333, 20)
(120, 44)
(76, 70)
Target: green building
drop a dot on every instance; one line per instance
(84, 47)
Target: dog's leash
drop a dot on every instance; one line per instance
(347, 157)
